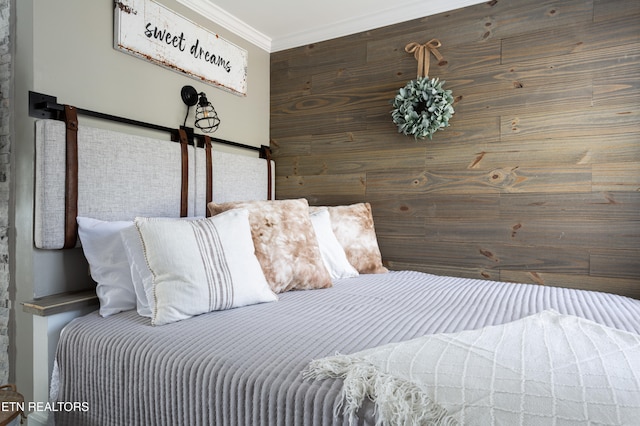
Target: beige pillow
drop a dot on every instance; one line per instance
(354, 229)
(285, 243)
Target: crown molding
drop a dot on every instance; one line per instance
(393, 15)
(229, 22)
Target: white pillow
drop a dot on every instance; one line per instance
(200, 266)
(354, 229)
(140, 273)
(333, 255)
(108, 264)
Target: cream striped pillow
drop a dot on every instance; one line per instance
(200, 266)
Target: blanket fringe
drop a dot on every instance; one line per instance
(397, 401)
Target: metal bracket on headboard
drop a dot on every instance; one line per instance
(47, 106)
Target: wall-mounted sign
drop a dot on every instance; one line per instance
(150, 31)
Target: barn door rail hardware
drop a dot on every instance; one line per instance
(47, 107)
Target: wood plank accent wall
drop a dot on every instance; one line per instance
(537, 180)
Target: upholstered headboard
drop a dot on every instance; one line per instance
(120, 176)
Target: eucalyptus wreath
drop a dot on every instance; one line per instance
(422, 107)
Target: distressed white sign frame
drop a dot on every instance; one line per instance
(150, 31)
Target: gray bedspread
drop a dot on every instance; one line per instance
(243, 366)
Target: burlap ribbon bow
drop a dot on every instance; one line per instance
(422, 52)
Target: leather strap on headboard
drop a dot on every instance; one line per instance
(209, 167)
(184, 191)
(71, 180)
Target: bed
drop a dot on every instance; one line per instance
(243, 366)
(175, 355)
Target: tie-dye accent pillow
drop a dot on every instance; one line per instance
(354, 229)
(285, 242)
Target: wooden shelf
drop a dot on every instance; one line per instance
(62, 302)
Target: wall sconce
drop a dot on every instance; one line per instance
(206, 116)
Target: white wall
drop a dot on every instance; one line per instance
(65, 49)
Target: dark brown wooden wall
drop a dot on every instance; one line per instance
(537, 180)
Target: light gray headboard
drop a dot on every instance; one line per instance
(121, 176)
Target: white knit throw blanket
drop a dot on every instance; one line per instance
(545, 369)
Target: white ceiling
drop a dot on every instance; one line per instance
(275, 25)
